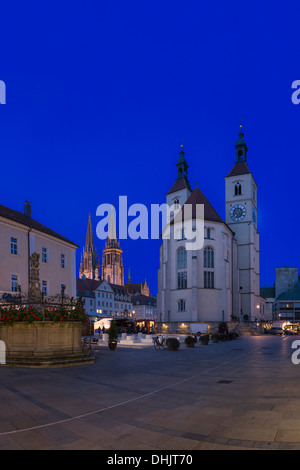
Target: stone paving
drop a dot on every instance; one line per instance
(242, 394)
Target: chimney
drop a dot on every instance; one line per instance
(27, 209)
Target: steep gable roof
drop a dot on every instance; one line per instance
(240, 168)
(181, 183)
(23, 219)
(197, 197)
(87, 285)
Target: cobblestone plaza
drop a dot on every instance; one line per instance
(242, 394)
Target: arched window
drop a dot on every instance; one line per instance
(181, 268)
(181, 258)
(181, 305)
(209, 264)
(209, 260)
(238, 189)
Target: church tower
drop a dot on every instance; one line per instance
(181, 189)
(89, 264)
(241, 217)
(112, 264)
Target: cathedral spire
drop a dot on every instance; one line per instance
(89, 263)
(112, 264)
(112, 233)
(89, 243)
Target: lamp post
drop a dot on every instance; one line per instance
(63, 288)
(20, 294)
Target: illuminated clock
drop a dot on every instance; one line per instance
(238, 212)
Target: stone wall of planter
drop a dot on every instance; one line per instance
(40, 339)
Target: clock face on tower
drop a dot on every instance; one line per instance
(238, 212)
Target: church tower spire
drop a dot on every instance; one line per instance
(112, 264)
(89, 242)
(182, 166)
(241, 147)
(241, 217)
(89, 263)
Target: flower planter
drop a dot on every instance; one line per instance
(190, 341)
(204, 340)
(112, 345)
(172, 348)
(172, 344)
(41, 338)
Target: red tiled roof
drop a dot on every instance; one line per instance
(143, 300)
(90, 285)
(87, 285)
(135, 287)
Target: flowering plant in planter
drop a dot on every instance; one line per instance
(30, 314)
(64, 314)
(190, 341)
(112, 336)
(173, 344)
(204, 339)
(22, 314)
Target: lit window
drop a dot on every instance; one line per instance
(44, 255)
(13, 245)
(14, 283)
(45, 288)
(62, 260)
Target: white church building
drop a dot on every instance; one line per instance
(220, 281)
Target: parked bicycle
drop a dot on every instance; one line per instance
(160, 342)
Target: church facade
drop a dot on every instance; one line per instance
(220, 281)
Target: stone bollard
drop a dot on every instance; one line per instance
(124, 335)
(105, 337)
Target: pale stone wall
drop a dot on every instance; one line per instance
(30, 241)
(41, 338)
(13, 264)
(201, 304)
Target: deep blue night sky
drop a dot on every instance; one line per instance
(100, 94)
